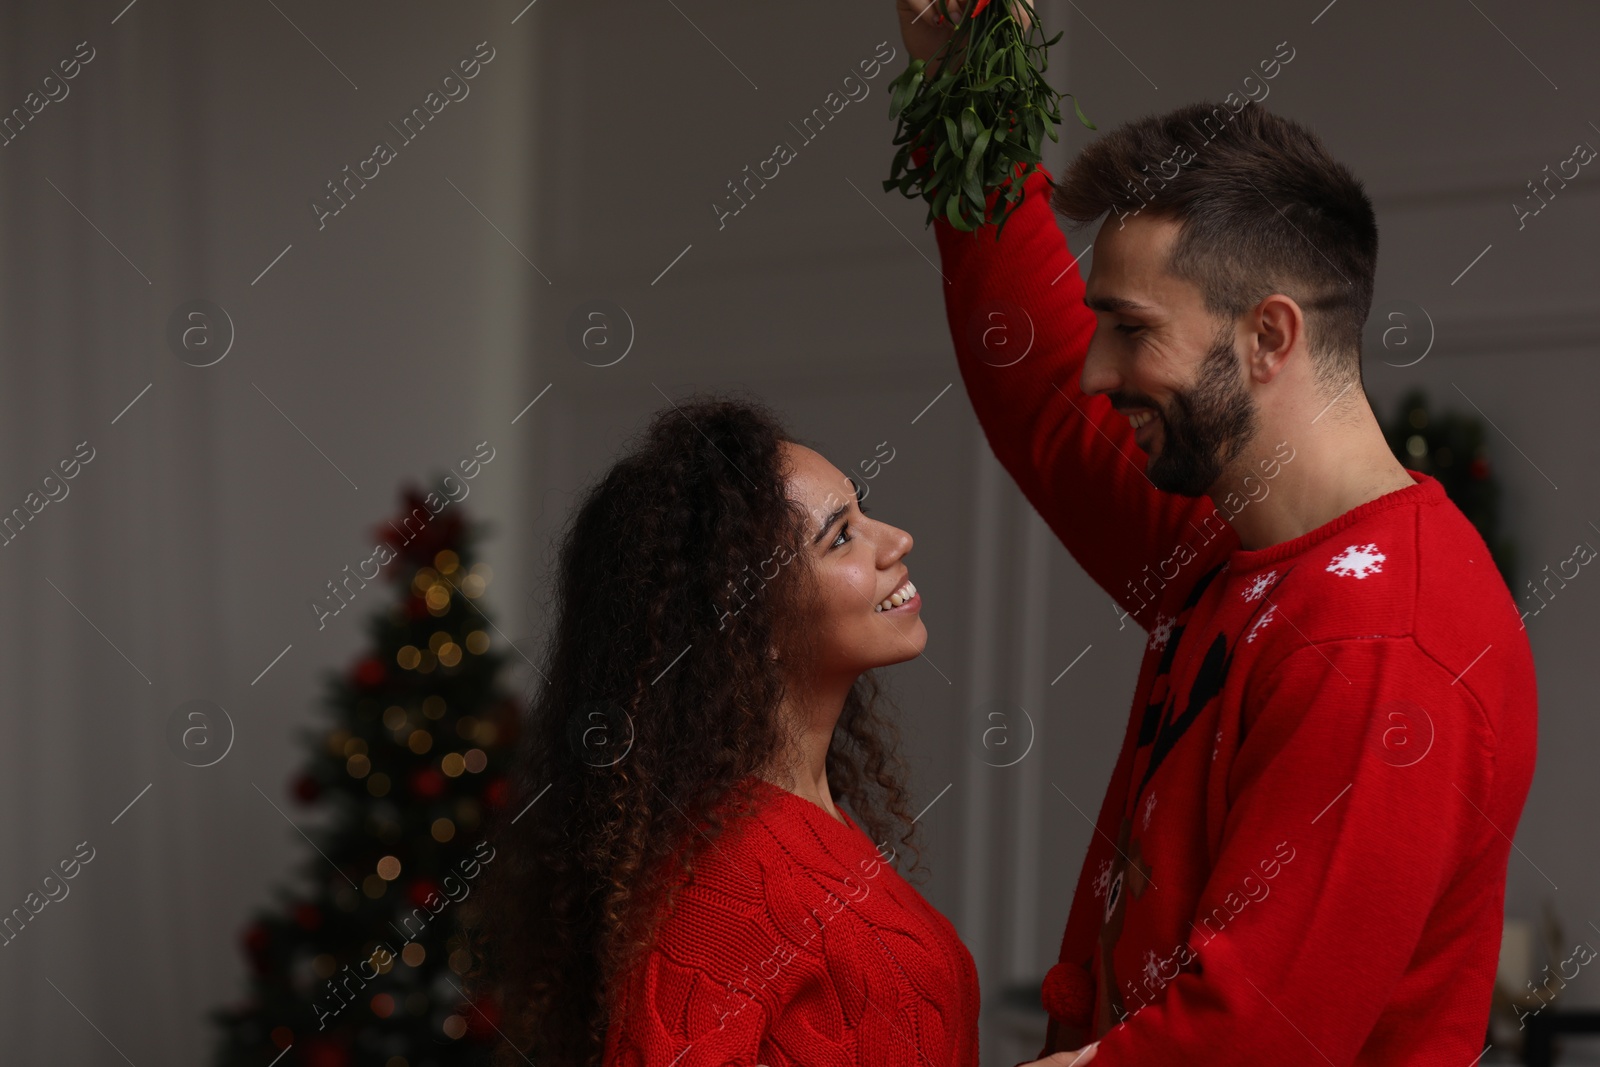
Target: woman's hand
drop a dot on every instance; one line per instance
(1065, 1059)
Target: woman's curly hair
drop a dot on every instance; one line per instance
(682, 596)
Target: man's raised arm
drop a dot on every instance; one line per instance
(1021, 332)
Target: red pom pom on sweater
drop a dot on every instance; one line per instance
(1068, 994)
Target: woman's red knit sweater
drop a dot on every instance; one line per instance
(795, 943)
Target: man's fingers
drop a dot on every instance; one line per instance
(1074, 1058)
(929, 13)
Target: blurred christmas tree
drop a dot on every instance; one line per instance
(357, 967)
(1450, 447)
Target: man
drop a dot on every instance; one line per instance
(1302, 851)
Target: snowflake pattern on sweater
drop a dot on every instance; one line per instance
(1341, 726)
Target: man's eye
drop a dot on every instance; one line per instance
(1129, 329)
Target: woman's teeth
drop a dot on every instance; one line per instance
(896, 598)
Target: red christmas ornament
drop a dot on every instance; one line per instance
(306, 789)
(495, 793)
(481, 1023)
(1479, 469)
(307, 916)
(427, 783)
(369, 673)
(417, 534)
(324, 1052)
(420, 890)
(256, 938)
(416, 607)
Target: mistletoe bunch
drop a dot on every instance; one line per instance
(984, 109)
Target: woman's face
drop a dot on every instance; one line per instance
(859, 562)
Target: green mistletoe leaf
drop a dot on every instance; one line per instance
(980, 126)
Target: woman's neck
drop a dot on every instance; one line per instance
(813, 789)
(805, 770)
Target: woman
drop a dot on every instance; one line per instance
(686, 888)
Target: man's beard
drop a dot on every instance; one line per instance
(1206, 425)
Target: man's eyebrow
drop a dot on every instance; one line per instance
(831, 519)
(1114, 304)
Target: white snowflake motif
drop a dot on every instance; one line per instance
(1258, 587)
(1358, 561)
(1266, 617)
(1217, 747)
(1152, 966)
(1161, 632)
(1149, 808)
(1102, 881)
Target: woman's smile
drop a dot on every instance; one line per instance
(904, 599)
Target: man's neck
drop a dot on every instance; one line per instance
(1330, 470)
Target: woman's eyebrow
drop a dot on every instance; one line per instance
(831, 519)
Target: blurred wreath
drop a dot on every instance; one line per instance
(1451, 447)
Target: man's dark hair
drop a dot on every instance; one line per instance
(1263, 208)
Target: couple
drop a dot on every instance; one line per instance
(1301, 854)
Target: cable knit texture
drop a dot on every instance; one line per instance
(795, 943)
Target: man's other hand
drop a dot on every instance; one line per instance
(1065, 1059)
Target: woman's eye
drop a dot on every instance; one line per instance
(841, 539)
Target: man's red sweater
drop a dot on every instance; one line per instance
(794, 944)
(1301, 855)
